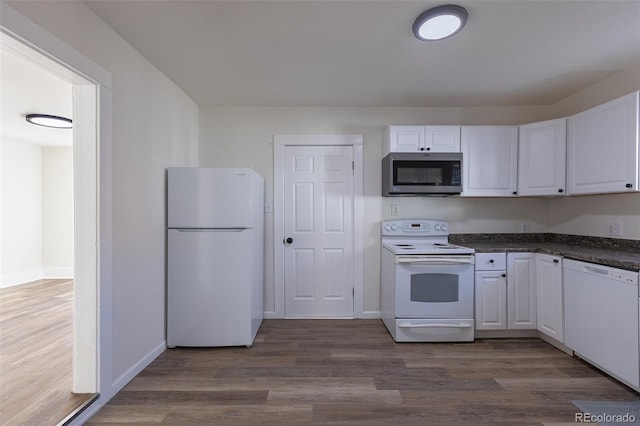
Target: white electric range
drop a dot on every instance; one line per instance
(427, 284)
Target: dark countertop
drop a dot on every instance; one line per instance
(614, 252)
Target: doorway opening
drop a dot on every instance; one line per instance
(83, 289)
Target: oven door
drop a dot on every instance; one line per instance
(434, 286)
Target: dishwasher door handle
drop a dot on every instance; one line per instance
(596, 270)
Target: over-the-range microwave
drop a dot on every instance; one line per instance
(422, 173)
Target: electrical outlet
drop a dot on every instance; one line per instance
(395, 209)
(524, 227)
(614, 229)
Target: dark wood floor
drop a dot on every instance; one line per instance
(36, 353)
(350, 372)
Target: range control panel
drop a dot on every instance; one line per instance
(415, 227)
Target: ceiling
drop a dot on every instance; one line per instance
(347, 53)
(363, 53)
(28, 88)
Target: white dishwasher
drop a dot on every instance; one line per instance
(601, 318)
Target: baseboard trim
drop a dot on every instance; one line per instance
(57, 273)
(21, 277)
(370, 315)
(361, 315)
(132, 372)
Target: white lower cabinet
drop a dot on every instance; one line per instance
(521, 291)
(505, 298)
(549, 296)
(491, 300)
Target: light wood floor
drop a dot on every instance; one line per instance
(350, 372)
(36, 349)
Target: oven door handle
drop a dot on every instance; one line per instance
(433, 260)
(410, 325)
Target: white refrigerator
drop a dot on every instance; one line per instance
(215, 238)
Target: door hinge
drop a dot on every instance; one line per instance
(353, 167)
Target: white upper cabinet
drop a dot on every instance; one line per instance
(490, 161)
(421, 139)
(542, 158)
(602, 148)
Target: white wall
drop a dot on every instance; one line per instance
(591, 215)
(21, 203)
(154, 126)
(57, 212)
(37, 213)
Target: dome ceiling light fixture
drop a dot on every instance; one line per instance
(440, 22)
(47, 120)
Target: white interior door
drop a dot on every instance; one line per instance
(318, 231)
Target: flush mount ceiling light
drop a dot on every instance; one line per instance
(440, 22)
(49, 121)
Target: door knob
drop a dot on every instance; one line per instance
(288, 240)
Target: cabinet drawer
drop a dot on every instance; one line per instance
(491, 261)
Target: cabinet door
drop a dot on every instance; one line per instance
(491, 300)
(442, 138)
(541, 158)
(602, 148)
(549, 300)
(490, 160)
(521, 291)
(404, 138)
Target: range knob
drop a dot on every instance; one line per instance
(387, 228)
(437, 227)
(394, 227)
(443, 228)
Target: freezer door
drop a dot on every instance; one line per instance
(209, 294)
(209, 197)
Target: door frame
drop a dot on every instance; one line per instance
(280, 142)
(92, 180)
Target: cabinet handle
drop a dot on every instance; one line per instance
(428, 149)
(629, 185)
(561, 190)
(490, 260)
(421, 149)
(515, 192)
(504, 275)
(556, 261)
